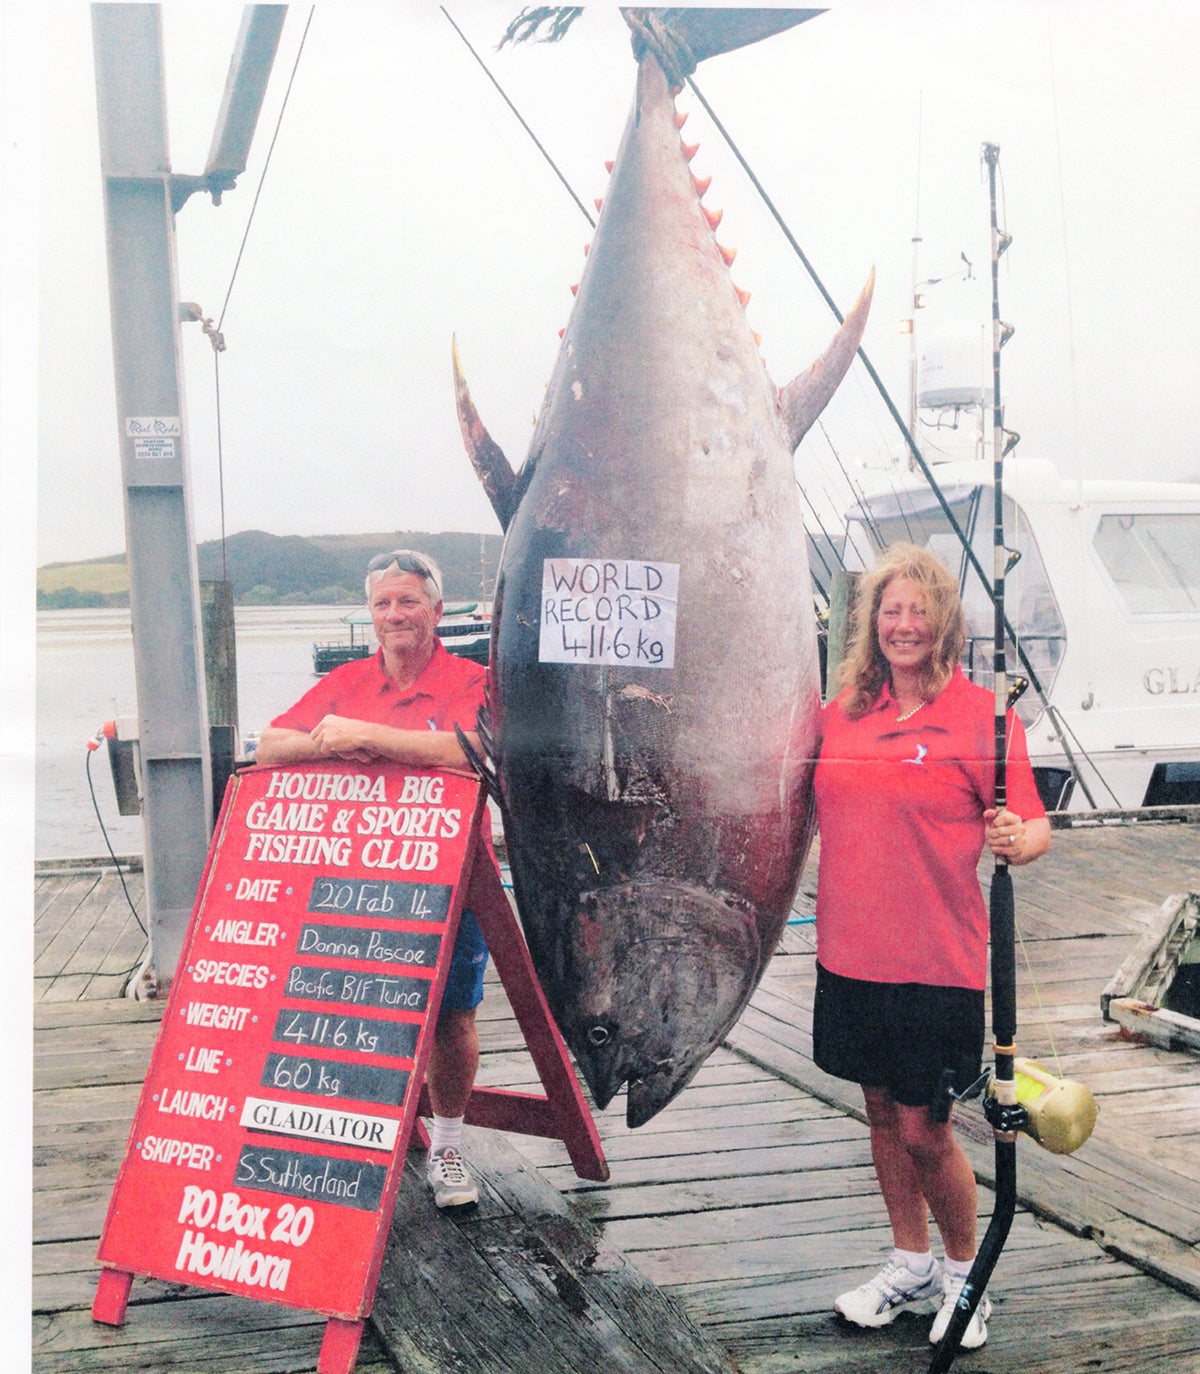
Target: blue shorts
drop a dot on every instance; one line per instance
(464, 985)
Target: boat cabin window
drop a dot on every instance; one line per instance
(1153, 561)
(917, 516)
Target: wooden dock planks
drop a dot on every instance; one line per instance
(87, 938)
(749, 1202)
(522, 1286)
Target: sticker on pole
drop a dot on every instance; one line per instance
(154, 436)
(615, 611)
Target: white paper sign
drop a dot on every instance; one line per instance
(331, 1123)
(608, 610)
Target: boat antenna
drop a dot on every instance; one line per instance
(917, 240)
(1005, 1113)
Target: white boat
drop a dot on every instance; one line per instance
(1105, 603)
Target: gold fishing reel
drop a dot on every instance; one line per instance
(1060, 1113)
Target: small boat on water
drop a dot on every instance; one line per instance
(465, 630)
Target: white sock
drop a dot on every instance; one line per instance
(959, 1269)
(446, 1134)
(914, 1261)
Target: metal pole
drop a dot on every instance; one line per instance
(249, 72)
(912, 346)
(164, 593)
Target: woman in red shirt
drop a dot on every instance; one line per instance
(905, 802)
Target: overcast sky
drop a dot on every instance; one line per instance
(404, 204)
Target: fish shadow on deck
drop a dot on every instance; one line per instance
(524, 1282)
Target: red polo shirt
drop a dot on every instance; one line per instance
(899, 808)
(448, 692)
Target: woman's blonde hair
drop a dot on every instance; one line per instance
(864, 669)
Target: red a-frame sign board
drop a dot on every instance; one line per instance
(288, 1076)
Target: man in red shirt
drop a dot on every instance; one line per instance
(402, 706)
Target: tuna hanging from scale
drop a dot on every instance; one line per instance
(654, 690)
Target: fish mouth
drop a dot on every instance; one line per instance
(661, 970)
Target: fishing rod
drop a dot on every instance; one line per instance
(910, 443)
(1003, 1110)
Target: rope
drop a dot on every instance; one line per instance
(1047, 1027)
(650, 34)
(100, 972)
(524, 28)
(910, 442)
(266, 164)
(108, 845)
(213, 331)
(537, 143)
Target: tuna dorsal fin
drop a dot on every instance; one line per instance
(807, 395)
(493, 469)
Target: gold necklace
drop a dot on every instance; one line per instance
(908, 714)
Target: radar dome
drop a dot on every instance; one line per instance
(952, 367)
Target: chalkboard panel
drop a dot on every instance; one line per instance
(370, 896)
(274, 1120)
(364, 1034)
(373, 944)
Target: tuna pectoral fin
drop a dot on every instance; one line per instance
(492, 467)
(806, 396)
(482, 766)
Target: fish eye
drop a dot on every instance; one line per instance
(598, 1035)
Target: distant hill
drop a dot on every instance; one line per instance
(272, 569)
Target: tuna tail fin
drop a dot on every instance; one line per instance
(493, 469)
(678, 38)
(682, 38)
(807, 395)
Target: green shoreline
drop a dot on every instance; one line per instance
(284, 570)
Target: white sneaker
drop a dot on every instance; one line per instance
(893, 1290)
(450, 1179)
(976, 1333)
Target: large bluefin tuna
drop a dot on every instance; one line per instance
(655, 690)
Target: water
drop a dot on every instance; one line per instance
(85, 676)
